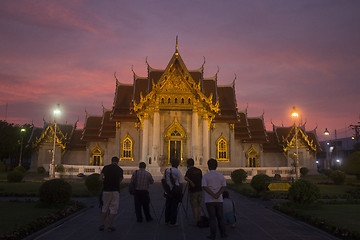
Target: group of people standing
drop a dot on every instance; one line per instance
(211, 187)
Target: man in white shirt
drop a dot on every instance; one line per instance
(173, 177)
(214, 184)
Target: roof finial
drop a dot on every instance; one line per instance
(177, 44)
(132, 69)
(218, 69)
(234, 79)
(147, 64)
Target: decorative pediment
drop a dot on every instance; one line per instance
(252, 152)
(175, 130)
(302, 140)
(48, 138)
(176, 89)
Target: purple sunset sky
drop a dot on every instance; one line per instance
(284, 53)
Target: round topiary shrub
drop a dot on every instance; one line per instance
(15, 176)
(55, 191)
(41, 170)
(303, 191)
(59, 168)
(20, 169)
(277, 177)
(2, 167)
(304, 171)
(327, 172)
(93, 183)
(338, 177)
(238, 176)
(260, 182)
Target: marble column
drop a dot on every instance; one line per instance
(118, 140)
(195, 132)
(145, 139)
(205, 146)
(156, 136)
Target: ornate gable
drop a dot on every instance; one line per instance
(302, 139)
(48, 138)
(176, 89)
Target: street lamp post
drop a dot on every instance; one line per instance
(57, 111)
(295, 115)
(327, 133)
(22, 131)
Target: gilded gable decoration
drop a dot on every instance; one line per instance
(127, 147)
(303, 140)
(252, 156)
(222, 149)
(96, 156)
(48, 138)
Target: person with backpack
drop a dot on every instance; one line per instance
(141, 180)
(193, 176)
(174, 179)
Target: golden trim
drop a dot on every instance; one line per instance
(252, 153)
(170, 136)
(222, 146)
(124, 147)
(96, 151)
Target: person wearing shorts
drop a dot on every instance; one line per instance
(111, 175)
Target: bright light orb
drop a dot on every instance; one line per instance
(294, 113)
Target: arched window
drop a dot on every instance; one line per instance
(252, 157)
(127, 149)
(96, 156)
(189, 100)
(162, 100)
(182, 100)
(175, 100)
(222, 147)
(168, 100)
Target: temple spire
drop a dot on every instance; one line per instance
(177, 45)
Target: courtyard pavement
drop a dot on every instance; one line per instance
(255, 221)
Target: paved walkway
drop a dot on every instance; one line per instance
(255, 221)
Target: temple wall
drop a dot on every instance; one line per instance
(76, 158)
(274, 160)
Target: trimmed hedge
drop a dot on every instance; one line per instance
(15, 176)
(20, 169)
(304, 171)
(260, 182)
(2, 167)
(93, 183)
(238, 176)
(59, 168)
(41, 170)
(338, 177)
(55, 191)
(304, 192)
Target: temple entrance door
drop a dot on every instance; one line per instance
(175, 150)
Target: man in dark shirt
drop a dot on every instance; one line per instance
(111, 175)
(193, 176)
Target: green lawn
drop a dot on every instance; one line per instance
(15, 214)
(340, 219)
(341, 215)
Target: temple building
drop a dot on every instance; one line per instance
(175, 113)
